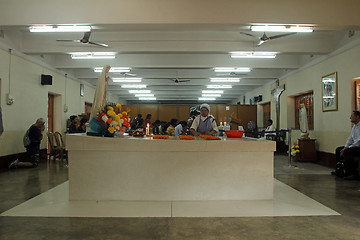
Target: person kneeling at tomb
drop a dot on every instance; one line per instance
(171, 129)
(204, 123)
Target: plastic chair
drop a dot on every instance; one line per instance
(54, 150)
(61, 146)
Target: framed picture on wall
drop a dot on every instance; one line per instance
(81, 90)
(329, 92)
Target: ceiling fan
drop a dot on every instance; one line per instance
(265, 38)
(85, 40)
(125, 74)
(231, 74)
(177, 80)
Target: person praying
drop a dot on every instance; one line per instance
(204, 123)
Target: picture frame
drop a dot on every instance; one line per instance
(329, 92)
(81, 90)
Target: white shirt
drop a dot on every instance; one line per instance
(196, 123)
(269, 129)
(354, 138)
(178, 130)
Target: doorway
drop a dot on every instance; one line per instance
(50, 120)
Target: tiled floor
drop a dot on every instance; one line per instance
(18, 186)
(55, 203)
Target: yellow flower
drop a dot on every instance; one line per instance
(109, 108)
(118, 106)
(111, 129)
(124, 113)
(111, 113)
(297, 151)
(117, 118)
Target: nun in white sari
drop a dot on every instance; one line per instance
(99, 100)
(204, 123)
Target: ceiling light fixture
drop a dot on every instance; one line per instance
(60, 28)
(147, 98)
(93, 55)
(211, 95)
(281, 28)
(212, 91)
(230, 69)
(224, 79)
(134, 86)
(207, 99)
(144, 95)
(219, 86)
(113, 69)
(127, 80)
(139, 91)
(253, 54)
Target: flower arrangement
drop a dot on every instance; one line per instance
(112, 119)
(295, 149)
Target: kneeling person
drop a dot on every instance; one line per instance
(33, 149)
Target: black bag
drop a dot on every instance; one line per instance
(340, 169)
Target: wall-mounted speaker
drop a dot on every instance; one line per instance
(46, 79)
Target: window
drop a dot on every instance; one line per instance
(307, 99)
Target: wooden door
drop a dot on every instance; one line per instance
(167, 112)
(266, 113)
(247, 113)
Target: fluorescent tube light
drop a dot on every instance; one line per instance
(127, 80)
(61, 28)
(281, 28)
(211, 95)
(113, 69)
(144, 95)
(253, 54)
(139, 91)
(134, 86)
(212, 91)
(147, 98)
(207, 99)
(219, 86)
(224, 79)
(93, 55)
(229, 69)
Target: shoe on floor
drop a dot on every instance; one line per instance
(14, 164)
(352, 177)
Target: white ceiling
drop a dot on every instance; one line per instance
(187, 44)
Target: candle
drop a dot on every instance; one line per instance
(224, 123)
(147, 128)
(220, 123)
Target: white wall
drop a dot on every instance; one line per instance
(331, 129)
(22, 79)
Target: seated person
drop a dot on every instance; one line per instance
(82, 127)
(350, 150)
(204, 123)
(75, 126)
(171, 129)
(270, 128)
(140, 124)
(155, 126)
(180, 129)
